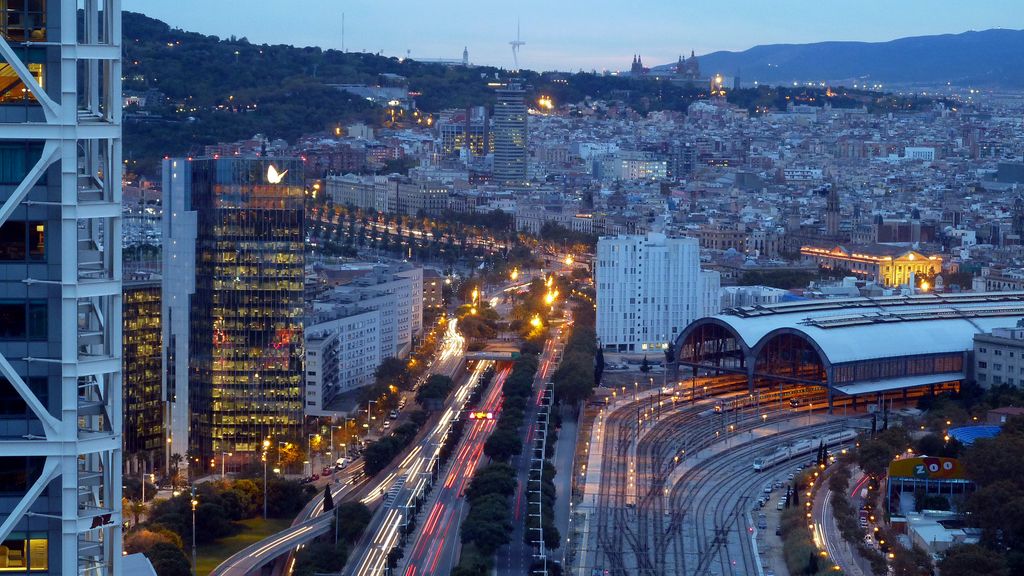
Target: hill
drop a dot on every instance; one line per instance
(226, 89)
(989, 58)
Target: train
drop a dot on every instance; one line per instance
(797, 396)
(801, 447)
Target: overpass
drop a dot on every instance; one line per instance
(251, 559)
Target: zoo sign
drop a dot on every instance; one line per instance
(927, 468)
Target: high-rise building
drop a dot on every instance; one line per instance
(60, 287)
(510, 135)
(142, 362)
(233, 305)
(649, 288)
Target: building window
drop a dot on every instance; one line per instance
(982, 364)
(21, 241)
(20, 319)
(23, 552)
(12, 89)
(24, 20)
(15, 159)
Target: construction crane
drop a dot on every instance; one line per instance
(516, 44)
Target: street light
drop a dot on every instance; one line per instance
(223, 458)
(195, 503)
(266, 446)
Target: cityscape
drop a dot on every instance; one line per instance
(521, 306)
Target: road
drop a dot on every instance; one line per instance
(828, 537)
(405, 487)
(448, 361)
(434, 547)
(515, 558)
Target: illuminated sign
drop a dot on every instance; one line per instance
(927, 468)
(272, 175)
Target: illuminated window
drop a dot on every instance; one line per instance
(21, 554)
(12, 89)
(23, 20)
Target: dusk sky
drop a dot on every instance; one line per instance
(569, 35)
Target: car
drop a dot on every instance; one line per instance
(327, 471)
(387, 424)
(791, 476)
(340, 463)
(394, 414)
(777, 485)
(780, 505)
(778, 531)
(767, 488)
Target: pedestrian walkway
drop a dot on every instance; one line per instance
(565, 456)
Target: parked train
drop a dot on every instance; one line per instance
(801, 447)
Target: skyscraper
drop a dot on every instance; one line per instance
(143, 371)
(233, 305)
(648, 289)
(510, 135)
(60, 286)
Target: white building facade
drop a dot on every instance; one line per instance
(648, 289)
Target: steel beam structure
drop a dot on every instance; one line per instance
(75, 187)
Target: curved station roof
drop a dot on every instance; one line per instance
(866, 329)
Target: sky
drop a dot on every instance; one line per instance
(570, 35)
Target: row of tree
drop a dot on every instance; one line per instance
(489, 522)
(575, 377)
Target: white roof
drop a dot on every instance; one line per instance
(848, 330)
(872, 386)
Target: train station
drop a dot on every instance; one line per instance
(858, 349)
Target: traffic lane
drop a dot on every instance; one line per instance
(439, 537)
(384, 531)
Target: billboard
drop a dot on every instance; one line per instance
(927, 468)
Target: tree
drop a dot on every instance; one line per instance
(503, 444)
(972, 560)
(328, 499)
(434, 390)
(320, 557)
(168, 560)
(812, 563)
(143, 539)
(393, 371)
(353, 518)
(645, 366)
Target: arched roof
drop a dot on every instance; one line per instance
(850, 330)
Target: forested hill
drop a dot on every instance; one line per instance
(223, 90)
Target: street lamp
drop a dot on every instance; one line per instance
(195, 503)
(309, 450)
(223, 458)
(266, 446)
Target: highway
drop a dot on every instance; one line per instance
(435, 545)
(311, 522)
(407, 485)
(515, 558)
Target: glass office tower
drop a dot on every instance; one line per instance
(234, 269)
(60, 287)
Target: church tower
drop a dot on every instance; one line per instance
(832, 213)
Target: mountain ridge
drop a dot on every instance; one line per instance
(985, 58)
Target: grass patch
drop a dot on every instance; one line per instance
(210, 556)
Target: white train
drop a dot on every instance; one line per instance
(801, 447)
